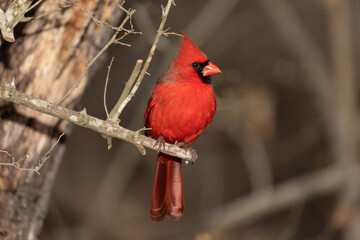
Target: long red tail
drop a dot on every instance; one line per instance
(167, 196)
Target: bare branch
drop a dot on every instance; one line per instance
(16, 163)
(105, 128)
(27, 19)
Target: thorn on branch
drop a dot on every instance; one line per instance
(109, 142)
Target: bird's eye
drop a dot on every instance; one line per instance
(195, 65)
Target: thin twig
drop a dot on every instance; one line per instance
(97, 21)
(105, 90)
(16, 164)
(27, 19)
(46, 156)
(115, 112)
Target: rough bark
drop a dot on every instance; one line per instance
(45, 60)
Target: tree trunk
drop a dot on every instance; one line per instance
(46, 58)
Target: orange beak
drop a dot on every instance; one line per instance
(210, 69)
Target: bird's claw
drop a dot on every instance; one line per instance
(182, 144)
(189, 150)
(193, 155)
(137, 141)
(160, 143)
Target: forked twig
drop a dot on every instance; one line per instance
(16, 163)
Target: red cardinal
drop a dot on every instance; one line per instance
(182, 104)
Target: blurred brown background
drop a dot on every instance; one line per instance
(280, 159)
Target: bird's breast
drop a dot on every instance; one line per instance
(181, 110)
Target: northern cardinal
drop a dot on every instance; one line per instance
(182, 104)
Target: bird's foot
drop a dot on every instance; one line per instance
(193, 155)
(189, 150)
(137, 140)
(160, 143)
(182, 144)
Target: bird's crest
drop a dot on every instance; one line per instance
(190, 52)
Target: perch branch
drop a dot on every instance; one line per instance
(105, 128)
